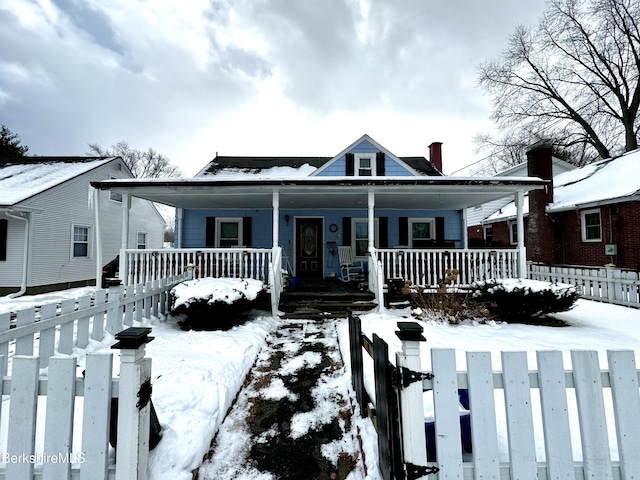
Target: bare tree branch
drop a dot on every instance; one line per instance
(143, 163)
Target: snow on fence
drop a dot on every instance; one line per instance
(604, 284)
(538, 410)
(429, 267)
(58, 427)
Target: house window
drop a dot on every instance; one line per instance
(228, 232)
(4, 239)
(591, 225)
(80, 242)
(488, 234)
(365, 165)
(422, 232)
(513, 233)
(114, 196)
(360, 237)
(142, 240)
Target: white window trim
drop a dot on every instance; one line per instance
(372, 159)
(484, 231)
(430, 220)
(583, 225)
(353, 236)
(220, 221)
(89, 242)
(146, 239)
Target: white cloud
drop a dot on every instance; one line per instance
(249, 76)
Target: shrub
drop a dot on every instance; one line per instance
(523, 300)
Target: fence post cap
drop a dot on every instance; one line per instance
(132, 338)
(410, 331)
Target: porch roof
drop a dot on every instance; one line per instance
(323, 192)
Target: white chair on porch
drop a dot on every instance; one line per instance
(349, 270)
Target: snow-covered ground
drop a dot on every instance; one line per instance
(196, 375)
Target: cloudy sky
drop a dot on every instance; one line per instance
(251, 77)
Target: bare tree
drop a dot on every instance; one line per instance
(574, 79)
(142, 163)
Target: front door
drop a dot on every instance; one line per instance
(309, 248)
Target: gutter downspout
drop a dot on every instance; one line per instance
(25, 256)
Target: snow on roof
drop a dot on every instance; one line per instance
(272, 172)
(613, 179)
(21, 179)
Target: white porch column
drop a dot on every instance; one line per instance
(96, 212)
(178, 227)
(276, 218)
(124, 244)
(465, 233)
(522, 251)
(371, 232)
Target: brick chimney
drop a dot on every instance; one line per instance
(539, 231)
(435, 155)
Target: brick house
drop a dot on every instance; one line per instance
(588, 216)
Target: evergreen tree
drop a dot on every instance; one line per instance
(10, 144)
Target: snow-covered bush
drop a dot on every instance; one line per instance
(520, 300)
(215, 303)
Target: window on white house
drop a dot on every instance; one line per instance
(80, 242)
(365, 165)
(591, 225)
(142, 240)
(114, 196)
(360, 237)
(228, 232)
(422, 232)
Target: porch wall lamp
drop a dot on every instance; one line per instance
(286, 218)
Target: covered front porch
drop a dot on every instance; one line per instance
(365, 213)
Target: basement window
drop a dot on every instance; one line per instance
(591, 225)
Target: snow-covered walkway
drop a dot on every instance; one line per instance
(295, 417)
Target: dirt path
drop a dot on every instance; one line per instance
(295, 418)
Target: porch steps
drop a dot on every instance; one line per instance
(318, 305)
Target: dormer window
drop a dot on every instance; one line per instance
(365, 166)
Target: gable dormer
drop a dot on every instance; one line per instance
(367, 158)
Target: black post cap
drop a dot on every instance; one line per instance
(132, 338)
(410, 331)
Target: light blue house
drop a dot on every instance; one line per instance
(252, 216)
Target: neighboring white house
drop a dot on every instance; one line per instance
(48, 231)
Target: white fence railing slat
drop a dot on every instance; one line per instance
(555, 421)
(517, 394)
(591, 412)
(65, 343)
(24, 345)
(484, 433)
(95, 424)
(47, 341)
(58, 436)
(447, 413)
(22, 416)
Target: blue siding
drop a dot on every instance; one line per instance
(338, 167)
(194, 227)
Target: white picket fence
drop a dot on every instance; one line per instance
(552, 422)
(604, 284)
(57, 426)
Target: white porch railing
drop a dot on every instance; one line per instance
(429, 267)
(147, 265)
(275, 279)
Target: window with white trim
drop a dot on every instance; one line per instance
(142, 240)
(365, 165)
(488, 234)
(591, 225)
(114, 196)
(360, 236)
(228, 232)
(80, 241)
(422, 232)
